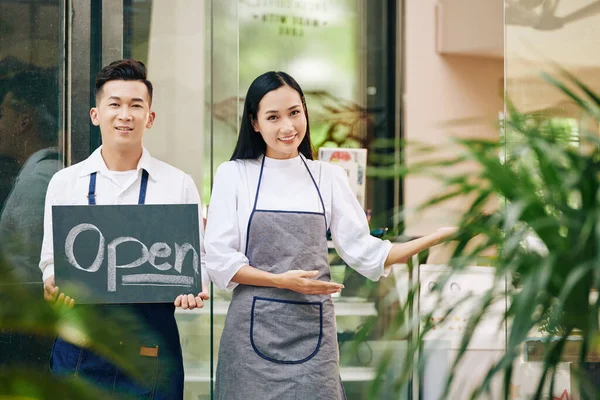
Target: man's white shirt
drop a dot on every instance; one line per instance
(70, 186)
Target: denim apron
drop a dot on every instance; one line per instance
(162, 375)
(279, 344)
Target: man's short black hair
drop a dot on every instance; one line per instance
(35, 91)
(123, 70)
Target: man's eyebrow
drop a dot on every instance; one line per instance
(133, 99)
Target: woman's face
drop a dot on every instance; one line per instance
(281, 121)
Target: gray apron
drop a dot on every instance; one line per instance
(277, 343)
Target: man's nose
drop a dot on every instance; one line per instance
(124, 114)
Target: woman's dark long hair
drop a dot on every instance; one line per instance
(250, 144)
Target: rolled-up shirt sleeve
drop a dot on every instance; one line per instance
(47, 252)
(350, 231)
(222, 238)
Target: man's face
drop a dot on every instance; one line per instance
(123, 114)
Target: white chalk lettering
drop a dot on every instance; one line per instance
(172, 280)
(112, 260)
(70, 242)
(157, 250)
(163, 250)
(180, 253)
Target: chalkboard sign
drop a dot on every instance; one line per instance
(126, 253)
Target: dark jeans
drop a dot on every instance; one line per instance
(160, 378)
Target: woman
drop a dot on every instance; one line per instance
(265, 239)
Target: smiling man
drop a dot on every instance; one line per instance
(122, 171)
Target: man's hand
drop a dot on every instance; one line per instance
(189, 302)
(51, 294)
(302, 282)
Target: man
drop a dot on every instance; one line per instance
(28, 134)
(18, 116)
(28, 137)
(121, 171)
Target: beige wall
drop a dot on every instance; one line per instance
(470, 27)
(439, 90)
(570, 42)
(176, 58)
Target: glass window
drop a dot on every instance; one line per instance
(343, 55)
(544, 37)
(201, 57)
(173, 40)
(31, 143)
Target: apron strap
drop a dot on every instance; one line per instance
(318, 191)
(143, 187)
(92, 189)
(262, 166)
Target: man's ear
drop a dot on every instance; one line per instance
(151, 119)
(94, 116)
(25, 122)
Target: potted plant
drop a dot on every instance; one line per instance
(23, 312)
(545, 234)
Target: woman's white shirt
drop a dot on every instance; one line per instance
(287, 186)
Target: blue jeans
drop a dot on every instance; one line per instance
(161, 378)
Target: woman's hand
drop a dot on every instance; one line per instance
(401, 252)
(446, 232)
(303, 282)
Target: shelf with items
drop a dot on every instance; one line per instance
(348, 374)
(342, 306)
(357, 374)
(196, 376)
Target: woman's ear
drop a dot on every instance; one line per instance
(254, 124)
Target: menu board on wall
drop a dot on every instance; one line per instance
(354, 163)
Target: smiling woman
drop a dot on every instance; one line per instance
(281, 121)
(271, 207)
(275, 120)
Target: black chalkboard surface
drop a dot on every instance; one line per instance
(126, 253)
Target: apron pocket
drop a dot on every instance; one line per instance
(284, 331)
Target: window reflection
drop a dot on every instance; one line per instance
(29, 155)
(28, 132)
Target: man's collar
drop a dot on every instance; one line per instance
(95, 163)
